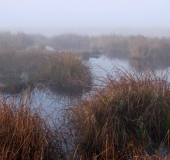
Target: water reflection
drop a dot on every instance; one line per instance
(52, 99)
(139, 64)
(143, 65)
(50, 102)
(103, 66)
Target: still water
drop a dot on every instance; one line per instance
(101, 67)
(104, 66)
(52, 102)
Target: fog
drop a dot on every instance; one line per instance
(53, 17)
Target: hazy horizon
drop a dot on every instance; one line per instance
(54, 17)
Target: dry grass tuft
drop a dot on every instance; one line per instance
(30, 68)
(25, 134)
(122, 119)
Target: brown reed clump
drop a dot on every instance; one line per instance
(122, 119)
(63, 70)
(30, 68)
(25, 134)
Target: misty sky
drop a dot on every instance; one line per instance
(85, 16)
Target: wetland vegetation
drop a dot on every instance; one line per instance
(122, 120)
(32, 68)
(125, 117)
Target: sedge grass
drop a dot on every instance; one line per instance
(122, 119)
(57, 70)
(25, 134)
